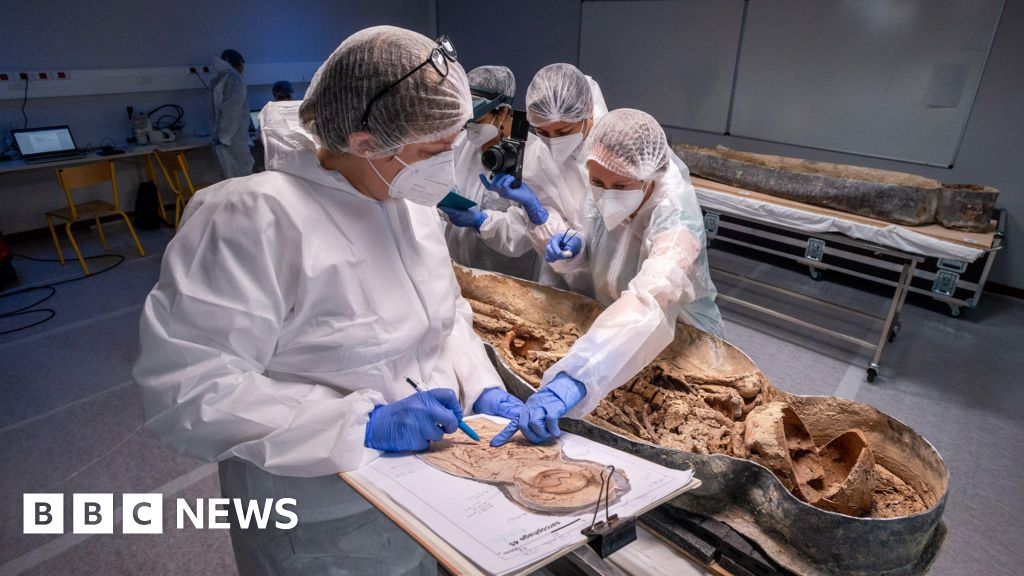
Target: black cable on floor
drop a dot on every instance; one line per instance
(50, 313)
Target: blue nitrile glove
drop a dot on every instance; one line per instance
(413, 422)
(545, 407)
(502, 184)
(470, 218)
(497, 402)
(558, 245)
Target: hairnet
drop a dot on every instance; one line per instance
(630, 143)
(283, 87)
(422, 108)
(233, 57)
(497, 78)
(558, 93)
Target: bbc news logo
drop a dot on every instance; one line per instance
(143, 513)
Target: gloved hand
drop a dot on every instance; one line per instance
(502, 185)
(471, 218)
(413, 422)
(497, 402)
(558, 245)
(544, 408)
(500, 403)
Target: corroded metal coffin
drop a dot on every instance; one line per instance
(883, 194)
(745, 495)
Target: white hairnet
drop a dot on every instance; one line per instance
(630, 143)
(422, 108)
(558, 93)
(497, 78)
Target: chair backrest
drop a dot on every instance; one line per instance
(74, 177)
(175, 170)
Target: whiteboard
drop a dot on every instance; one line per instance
(674, 59)
(887, 78)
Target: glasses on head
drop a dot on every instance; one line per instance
(439, 58)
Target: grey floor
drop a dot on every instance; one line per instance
(70, 418)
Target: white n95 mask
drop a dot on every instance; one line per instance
(424, 182)
(616, 205)
(480, 134)
(562, 147)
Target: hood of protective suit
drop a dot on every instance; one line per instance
(291, 149)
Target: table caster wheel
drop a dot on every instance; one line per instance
(954, 311)
(872, 374)
(815, 274)
(895, 330)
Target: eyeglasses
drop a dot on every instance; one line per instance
(439, 58)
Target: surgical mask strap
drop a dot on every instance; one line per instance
(375, 171)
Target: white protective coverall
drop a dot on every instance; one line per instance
(288, 306)
(561, 189)
(649, 271)
(230, 122)
(468, 246)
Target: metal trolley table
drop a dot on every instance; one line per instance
(948, 265)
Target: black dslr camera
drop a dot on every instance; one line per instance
(506, 157)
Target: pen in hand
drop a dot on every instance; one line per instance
(462, 425)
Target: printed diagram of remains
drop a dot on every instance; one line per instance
(540, 478)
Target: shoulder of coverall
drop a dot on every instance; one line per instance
(674, 205)
(269, 198)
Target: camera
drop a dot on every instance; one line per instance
(506, 157)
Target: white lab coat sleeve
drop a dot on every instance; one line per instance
(207, 332)
(473, 368)
(231, 101)
(507, 232)
(631, 332)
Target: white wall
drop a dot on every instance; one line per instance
(51, 35)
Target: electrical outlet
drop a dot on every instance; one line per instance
(62, 75)
(206, 69)
(4, 77)
(23, 75)
(192, 70)
(43, 75)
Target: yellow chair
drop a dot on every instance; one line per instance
(175, 170)
(73, 178)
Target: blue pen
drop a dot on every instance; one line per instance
(462, 425)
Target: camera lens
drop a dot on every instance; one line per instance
(493, 159)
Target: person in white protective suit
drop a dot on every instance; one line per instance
(562, 105)
(231, 116)
(293, 304)
(494, 88)
(644, 258)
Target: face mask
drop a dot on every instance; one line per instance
(616, 205)
(424, 182)
(480, 134)
(562, 147)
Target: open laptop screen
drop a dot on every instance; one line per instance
(44, 141)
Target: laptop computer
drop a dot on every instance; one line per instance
(49, 144)
(254, 120)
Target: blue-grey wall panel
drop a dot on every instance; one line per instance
(673, 59)
(524, 35)
(64, 34)
(887, 78)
